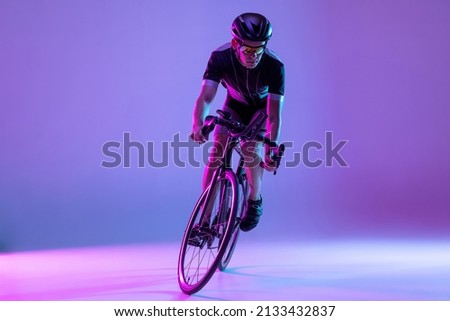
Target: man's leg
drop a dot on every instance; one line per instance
(214, 160)
(253, 210)
(252, 152)
(215, 155)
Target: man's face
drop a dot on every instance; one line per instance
(249, 53)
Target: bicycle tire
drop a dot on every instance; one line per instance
(199, 259)
(243, 195)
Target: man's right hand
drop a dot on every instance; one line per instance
(197, 135)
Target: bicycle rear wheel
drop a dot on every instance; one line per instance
(208, 233)
(231, 245)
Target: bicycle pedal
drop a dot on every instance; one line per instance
(194, 241)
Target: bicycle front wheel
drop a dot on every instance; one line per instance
(207, 233)
(243, 190)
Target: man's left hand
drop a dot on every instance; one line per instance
(269, 164)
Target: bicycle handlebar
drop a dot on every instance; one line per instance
(211, 121)
(250, 132)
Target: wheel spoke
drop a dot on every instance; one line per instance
(203, 247)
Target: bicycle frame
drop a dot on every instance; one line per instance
(226, 160)
(213, 228)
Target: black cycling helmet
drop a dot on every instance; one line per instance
(252, 27)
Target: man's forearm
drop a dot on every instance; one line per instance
(274, 109)
(274, 130)
(201, 109)
(203, 102)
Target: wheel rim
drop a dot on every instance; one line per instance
(243, 190)
(198, 260)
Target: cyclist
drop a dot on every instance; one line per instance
(254, 78)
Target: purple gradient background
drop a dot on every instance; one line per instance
(75, 74)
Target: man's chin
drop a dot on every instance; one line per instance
(251, 65)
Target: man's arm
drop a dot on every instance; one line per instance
(201, 108)
(274, 110)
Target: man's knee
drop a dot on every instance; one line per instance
(217, 150)
(252, 154)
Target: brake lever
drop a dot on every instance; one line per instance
(278, 155)
(276, 158)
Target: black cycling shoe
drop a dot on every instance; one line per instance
(253, 212)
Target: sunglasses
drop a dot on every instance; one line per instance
(247, 50)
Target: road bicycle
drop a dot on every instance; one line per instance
(212, 231)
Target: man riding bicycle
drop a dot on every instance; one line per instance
(254, 78)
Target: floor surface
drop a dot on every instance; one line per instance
(317, 271)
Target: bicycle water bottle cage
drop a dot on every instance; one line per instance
(252, 130)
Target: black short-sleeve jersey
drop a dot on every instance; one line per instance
(247, 89)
